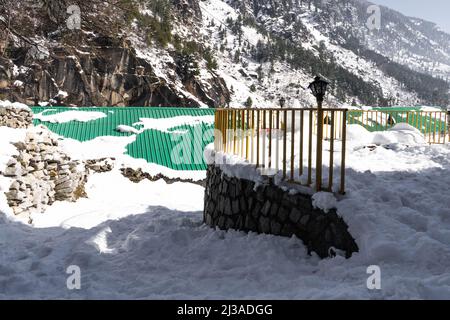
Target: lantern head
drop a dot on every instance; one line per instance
(319, 87)
(282, 102)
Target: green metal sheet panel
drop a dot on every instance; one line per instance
(155, 146)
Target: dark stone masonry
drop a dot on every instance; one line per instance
(233, 203)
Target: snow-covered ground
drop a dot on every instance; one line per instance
(147, 240)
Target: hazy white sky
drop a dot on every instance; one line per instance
(432, 10)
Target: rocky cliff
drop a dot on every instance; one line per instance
(108, 61)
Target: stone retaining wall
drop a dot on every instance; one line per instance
(233, 203)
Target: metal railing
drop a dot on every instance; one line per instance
(284, 141)
(434, 125)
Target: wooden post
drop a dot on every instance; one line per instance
(344, 145)
(319, 146)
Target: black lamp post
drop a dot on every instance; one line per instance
(282, 102)
(318, 88)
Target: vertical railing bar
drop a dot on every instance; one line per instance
(263, 155)
(301, 144)
(247, 132)
(439, 127)
(376, 120)
(277, 146)
(446, 127)
(335, 129)
(216, 129)
(310, 148)
(292, 145)
(252, 141)
(434, 131)
(258, 116)
(284, 143)
(343, 152)
(421, 122)
(429, 131)
(330, 173)
(219, 119)
(233, 115)
(387, 120)
(270, 139)
(225, 128)
(243, 122)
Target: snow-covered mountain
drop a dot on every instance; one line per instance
(216, 52)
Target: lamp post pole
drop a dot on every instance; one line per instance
(319, 144)
(448, 123)
(318, 88)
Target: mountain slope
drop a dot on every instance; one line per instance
(217, 53)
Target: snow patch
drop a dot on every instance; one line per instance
(324, 201)
(68, 116)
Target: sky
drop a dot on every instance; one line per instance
(432, 10)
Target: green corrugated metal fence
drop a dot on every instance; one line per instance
(155, 146)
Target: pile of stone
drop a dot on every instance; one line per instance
(100, 165)
(137, 175)
(15, 115)
(42, 173)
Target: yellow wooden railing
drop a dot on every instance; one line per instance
(285, 141)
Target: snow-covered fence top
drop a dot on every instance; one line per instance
(433, 124)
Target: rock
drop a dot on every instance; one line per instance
(295, 215)
(264, 225)
(227, 207)
(275, 228)
(64, 185)
(15, 185)
(266, 208)
(235, 206)
(283, 214)
(250, 224)
(12, 172)
(304, 220)
(15, 195)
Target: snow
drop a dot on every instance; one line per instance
(62, 94)
(147, 240)
(127, 129)
(124, 198)
(112, 146)
(18, 84)
(166, 124)
(67, 116)
(401, 133)
(14, 105)
(139, 241)
(324, 201)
